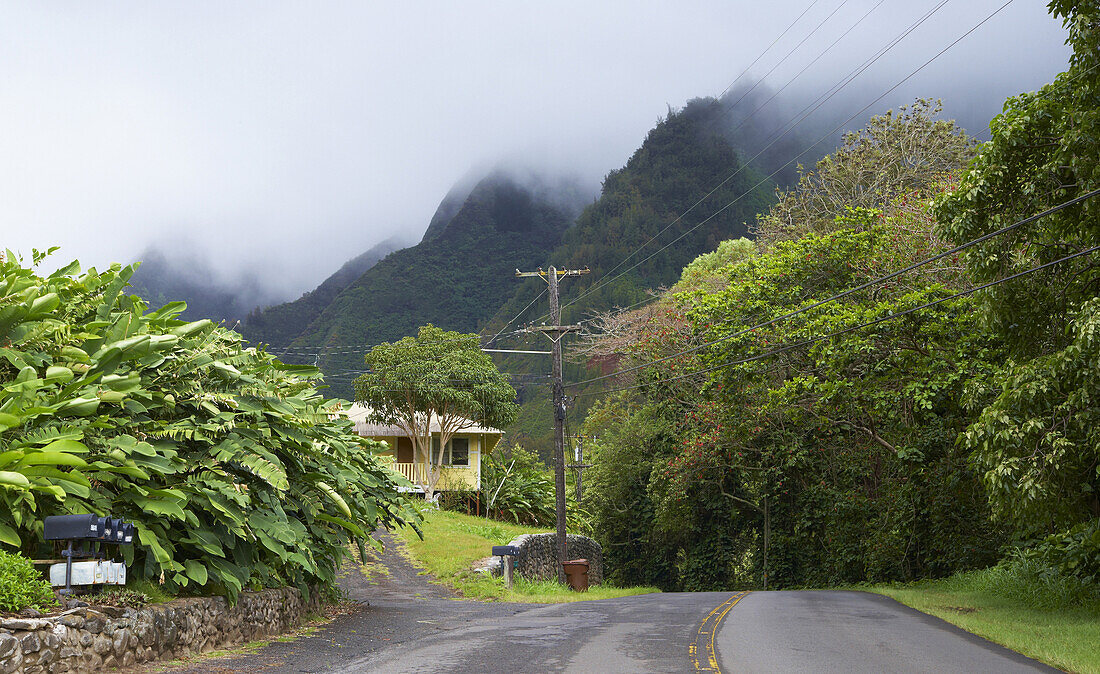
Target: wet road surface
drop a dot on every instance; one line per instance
(406, 624)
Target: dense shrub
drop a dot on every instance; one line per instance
(21, 586)
(236, 471)
(516, 487)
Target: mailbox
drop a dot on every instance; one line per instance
(502, 550)
(74, 527)
(88, 528)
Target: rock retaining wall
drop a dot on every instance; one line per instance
(538, 557)
(96, 638)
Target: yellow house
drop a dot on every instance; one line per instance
(461, 465)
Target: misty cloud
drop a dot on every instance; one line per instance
(286, 137)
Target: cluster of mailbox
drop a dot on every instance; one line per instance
(92, 532)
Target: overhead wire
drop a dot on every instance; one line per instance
(768, 49)
(521, 311)
(805, 68)
(789, 53)
(1075, 77)
(837, 333)
(344, 349)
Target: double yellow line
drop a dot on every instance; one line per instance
(703, 643)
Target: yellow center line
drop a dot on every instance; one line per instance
(707, 631)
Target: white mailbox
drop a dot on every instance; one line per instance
(94, 572)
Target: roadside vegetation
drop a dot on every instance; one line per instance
(786, 412)
(453, 542)
(1055, 619)
(237, 473)
(517, 487)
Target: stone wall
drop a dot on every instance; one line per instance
(95, 638)
(538, 557)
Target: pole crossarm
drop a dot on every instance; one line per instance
(560, 273)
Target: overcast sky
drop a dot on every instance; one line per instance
(291, 136)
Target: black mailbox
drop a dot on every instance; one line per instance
(502, 550)
(80, 527)
(88, 528)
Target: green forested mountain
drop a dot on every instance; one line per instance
(460, 276)
(280, 324)
(453, 279)
(682, 159)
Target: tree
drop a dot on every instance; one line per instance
(897, 153)
(1036, 435)
(849, 439)
(438, 376)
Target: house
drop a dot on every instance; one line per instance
(461, 465)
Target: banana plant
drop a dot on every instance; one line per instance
(236, 470)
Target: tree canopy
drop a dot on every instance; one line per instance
(1035, 434)
(440, 376)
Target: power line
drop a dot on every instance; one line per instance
(800, 117)
(343, 349)
(769, 48)
(537, 298)
(853, 328)
(864, 286)
(792, 51)
(1075, 77)
(806, 67)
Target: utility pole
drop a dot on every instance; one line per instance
(555, 333)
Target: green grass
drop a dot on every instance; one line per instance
(1055, 621)
(453, 542)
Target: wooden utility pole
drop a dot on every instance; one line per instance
(555, 333)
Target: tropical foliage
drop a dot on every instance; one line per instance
(846, 442)
(896, 153)
(1035, 437)
(235, 470)
(909, 428)
(21, 586)
(516, 487)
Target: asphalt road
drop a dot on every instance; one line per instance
(405, 624)
(851, 632)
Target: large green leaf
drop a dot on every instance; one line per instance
(50, 458)
(12, 479)
(8, 421)
(8, 536)
(195, 571)
(335, 497)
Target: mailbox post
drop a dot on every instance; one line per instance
(507, 554)
(89, 530)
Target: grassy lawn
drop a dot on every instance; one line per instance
(1066, 636)
(453, 542)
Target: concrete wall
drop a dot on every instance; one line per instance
(95, 638)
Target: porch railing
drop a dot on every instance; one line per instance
(456, 476)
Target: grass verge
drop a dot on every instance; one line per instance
(1013, 606)
(453, 542)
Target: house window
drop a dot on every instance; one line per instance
(460, 452)
(457, 454)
